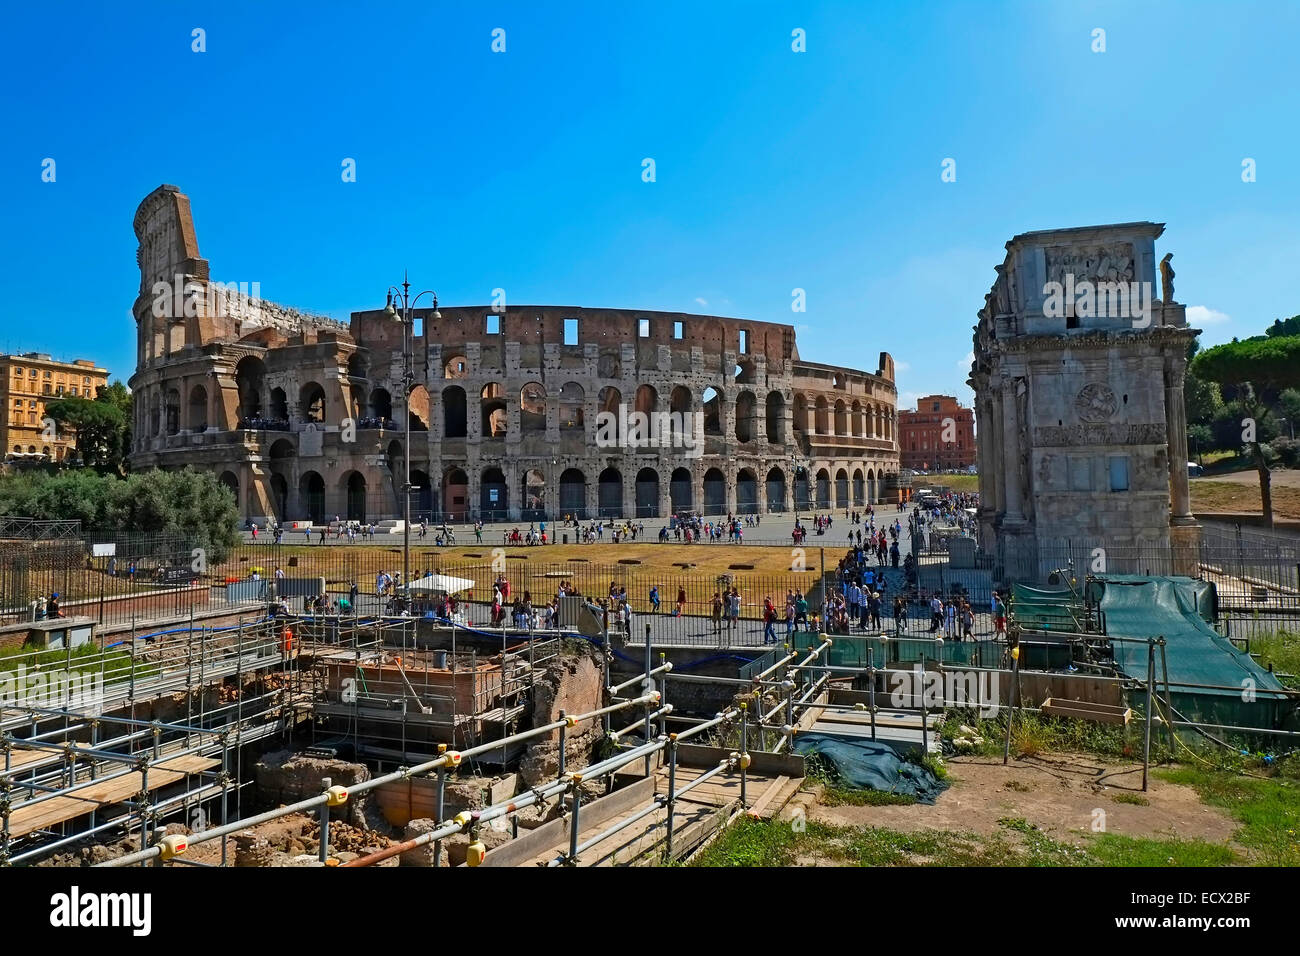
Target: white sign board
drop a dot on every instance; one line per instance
(103, 550)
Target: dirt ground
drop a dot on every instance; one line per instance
(1058, 793)
(1238, 491)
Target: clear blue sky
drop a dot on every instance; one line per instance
(522, 170)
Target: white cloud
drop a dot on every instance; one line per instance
(902, 366)
(965, 363)
(700, 301)
(1203, 315)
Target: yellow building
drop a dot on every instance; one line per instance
(27, 382)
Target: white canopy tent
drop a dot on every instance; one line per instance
(441, 584)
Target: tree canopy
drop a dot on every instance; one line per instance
(187, 503)
(101, 424)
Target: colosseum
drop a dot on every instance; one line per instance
(301, 415)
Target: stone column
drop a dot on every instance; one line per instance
(1176, 426)
(1011, 453)
(628, 472)
(551, 495)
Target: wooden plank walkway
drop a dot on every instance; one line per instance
(98, 795)
(893, 726)
(697, 814)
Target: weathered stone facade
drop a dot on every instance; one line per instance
(1082, 426)
(504, 413)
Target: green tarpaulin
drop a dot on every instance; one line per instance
(872, 765)
(1174, 608)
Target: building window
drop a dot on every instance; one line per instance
(744, 342)
(1119, 473)
(48, 374)
(570, 331)
(74, 391)
(18, 370)
(493, 324)
(643, 328)
(678, 330)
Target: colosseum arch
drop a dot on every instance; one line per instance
(841, 418)
(680, 400)
(173, 411)
(775, 490)
(746, 491)
(715, 492)
(311, 402)
(573, 493)
(534, 496)
(228, 480)
(855, 419)
(609, 493)
(681, 493)
(746, 416)
(198, 409)
(454, 413)
(494, 495)
(311, 496)
(357, 367)
(775, 418)
(380, 407)
(250, 380)
(871, 486)
(647, 493)
(422, 503)
(800, 414)
(841, 489)
(279, 410)
(608, 400)
(353, 486)
(823, 489)
(745, 372)
(859, 488)
(647, 399)
(455, 494)
(712, 399)
(492, 410)
(572, 398)
(822, 414)
(456, 366)
(532, 408)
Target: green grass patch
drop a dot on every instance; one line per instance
(1018, 843)
(834, 796)
(1281, 651)
(1268, 809)
(1135, 799)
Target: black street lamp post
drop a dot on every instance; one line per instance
(399, 307)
